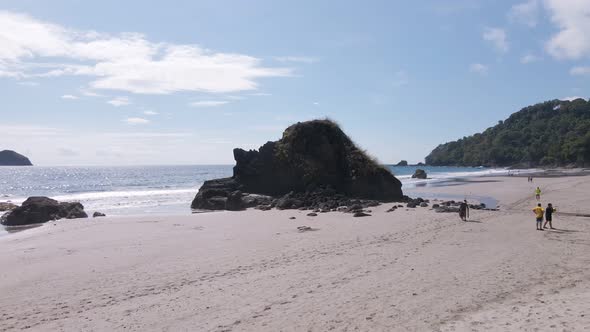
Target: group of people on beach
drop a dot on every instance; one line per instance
(539, 212)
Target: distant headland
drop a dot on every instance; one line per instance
(549, 134)
(11, 158)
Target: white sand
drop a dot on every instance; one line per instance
(252, 271)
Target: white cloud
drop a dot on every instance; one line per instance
(135, 121)
(70, 97)
(208, 103)
(150, 113)
(16, 130)
(580, 71)
(89, 93)
(260, 94)
(478, 68)
(571, 18)
(301, 59)
(529, 58)
(316, 103)
(125, 62)
(526, 13)
(497, 37)
(28, 83)
(119, 101)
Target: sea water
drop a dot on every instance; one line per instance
(131, 190)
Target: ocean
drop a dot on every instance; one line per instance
(133, 190)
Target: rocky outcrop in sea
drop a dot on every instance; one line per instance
(419, 174)
(11, 158)
(315, 165)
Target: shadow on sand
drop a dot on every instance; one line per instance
(558, 230)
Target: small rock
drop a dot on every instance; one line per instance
(361, 214)
(312, 214)
(304, 229)
(292, 218)
(98, 214)
(423, 204)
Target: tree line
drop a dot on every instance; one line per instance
(553, 133)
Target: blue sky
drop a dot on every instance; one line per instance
(184, 82)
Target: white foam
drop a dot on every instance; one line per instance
(122, 194)
(442, 176)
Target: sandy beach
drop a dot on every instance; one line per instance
(408, 270)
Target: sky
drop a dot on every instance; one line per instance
(184, 82)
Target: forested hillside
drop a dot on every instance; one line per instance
(553, 133)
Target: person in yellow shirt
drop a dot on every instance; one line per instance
(539, 212)
(538, 193)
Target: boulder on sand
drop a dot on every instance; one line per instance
(37, 210)
(313, 156)
(419, 174)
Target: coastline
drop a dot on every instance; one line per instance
(411, 269)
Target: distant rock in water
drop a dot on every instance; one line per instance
(11, 158)
(419, 174)
(312, 157)
(37, 210)
(402, 163)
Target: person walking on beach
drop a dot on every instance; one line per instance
(538, 193)
(549, 215)
(538, 211)
(464, 210)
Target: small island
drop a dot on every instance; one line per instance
(11, 158)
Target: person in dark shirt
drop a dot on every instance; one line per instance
(549, 215)
(464, 210)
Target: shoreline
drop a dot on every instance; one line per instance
(413, 190)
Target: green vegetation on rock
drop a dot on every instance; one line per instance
(553, 133)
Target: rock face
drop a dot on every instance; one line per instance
(419, 174)
(402, 163)
(311, 157)
(37, 210)
(11, 158)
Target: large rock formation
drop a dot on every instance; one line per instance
(312, 158)
(11, 158)
(402, 163)
(37, 210)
